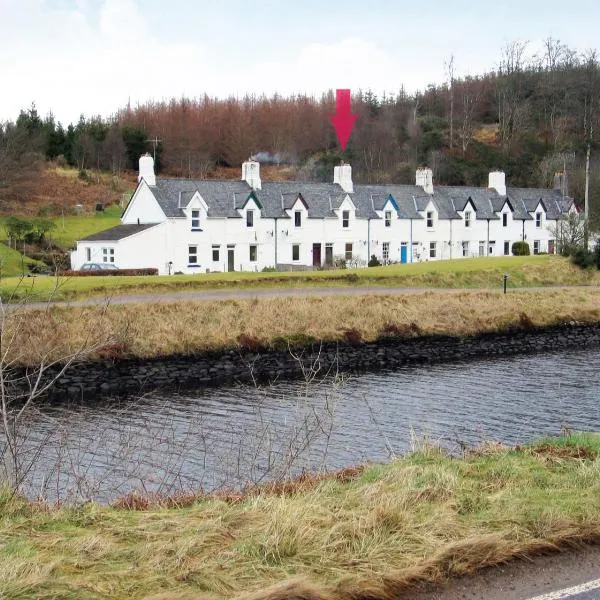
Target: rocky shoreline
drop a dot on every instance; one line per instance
(131, 376)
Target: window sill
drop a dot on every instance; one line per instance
(196, 229)
(194, 266)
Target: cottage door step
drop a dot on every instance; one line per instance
(316, 255)
(230, 259)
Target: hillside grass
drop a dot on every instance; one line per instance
(165, 328)
(421, 518)
(68, 229)
(13, 264)
(72, 228)
(527, 271)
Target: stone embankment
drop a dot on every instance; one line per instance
(135, 376)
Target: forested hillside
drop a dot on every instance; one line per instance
(531, 116)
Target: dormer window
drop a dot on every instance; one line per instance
(504, 219)
(195, 220)
(388, 218)
(430, 220)
(468, 218)
(538, 220)
(249, 218)
(345, 219)
(297, 218)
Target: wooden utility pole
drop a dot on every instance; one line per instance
(155, 141)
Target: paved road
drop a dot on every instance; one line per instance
(572, 575)
(301, 292)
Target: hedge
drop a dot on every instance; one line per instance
(104, 273)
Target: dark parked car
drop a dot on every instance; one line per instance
(98, 267)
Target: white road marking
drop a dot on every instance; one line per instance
(568, 592)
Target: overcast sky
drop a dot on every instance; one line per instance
(92, 56)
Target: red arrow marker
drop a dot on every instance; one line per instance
(343, 120)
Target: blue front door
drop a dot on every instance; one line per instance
(403, 254)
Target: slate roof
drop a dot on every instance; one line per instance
(483, 199)
(528, 199)
(224, 198)
(119, 232)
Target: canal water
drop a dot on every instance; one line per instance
(232, 436)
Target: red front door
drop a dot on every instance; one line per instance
(316, 255)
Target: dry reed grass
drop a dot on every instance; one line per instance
(421, 518)
(156, 329)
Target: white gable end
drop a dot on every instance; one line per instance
(143, 207)
(347, 204)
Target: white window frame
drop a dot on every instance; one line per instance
(216, 252)
(482, 245)
(253, 249)
(88, 254)
(432, 249)
(465, 249)
(195, 219)
(538, 220)
(108, 255)
(388, 218)
(295, 249)
(430, 220)
(348, 249)
(385, 252)
(467, 218)
(506, 248)
(345, 219)
(297, 218)
(536, 246)
(193, 254)
(249, 218)
(504, 219)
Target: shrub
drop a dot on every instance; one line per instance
(269, 270)
(374, 261)
(101, 273)
(520, 249)
(584, 258)
(84, 176)
(339, 262)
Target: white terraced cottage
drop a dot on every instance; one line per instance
(199, 226)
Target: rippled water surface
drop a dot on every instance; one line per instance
(235, 435)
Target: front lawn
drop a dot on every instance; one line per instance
(484, 273)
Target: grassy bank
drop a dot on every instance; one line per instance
(420, 518)
(13, 265)
(465, 273)
(155, 329)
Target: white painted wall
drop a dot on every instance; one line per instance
(170, 241)
(142, 250)
(143, 207)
